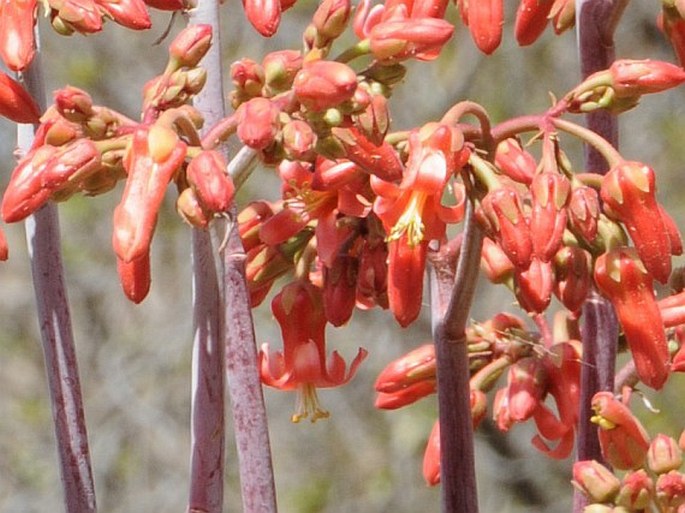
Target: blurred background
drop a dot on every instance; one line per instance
(135, 360)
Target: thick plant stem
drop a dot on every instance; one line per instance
(596, 20)
(208, 383)
(43, 238)
(244, 385)
(452, 301)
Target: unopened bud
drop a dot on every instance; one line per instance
(190, 46)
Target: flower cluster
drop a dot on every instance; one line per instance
(534, 373)
(653, 479)
(85, 148)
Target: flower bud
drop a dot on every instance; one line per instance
(670, 490)
(573, 276)
(74, 104)
(583, 212)
(551, 193)
(664, 454)
(401, 39)
(533, 286)
(331, 17)
(69, 16)
(415, 366)
(299, 140)
(258, 123)
(264, 15)
(190, 46)
(15, 103)
(339, 289)
(631, 78)
(17, 43)
(321, 85)
(515, 162)
(431, 457)
(596, 481)
(250, 220)
(127, 13)
(280, 69)
(495, 263)
(189, 208)
(629, 193)
(636, 491)
(207, 176)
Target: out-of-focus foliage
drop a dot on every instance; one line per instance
(135, 360)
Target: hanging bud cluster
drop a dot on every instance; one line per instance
(85, 148)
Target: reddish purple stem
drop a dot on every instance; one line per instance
(596, 20)
(452, 297)
(43, 239)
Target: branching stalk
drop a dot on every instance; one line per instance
(457, 458)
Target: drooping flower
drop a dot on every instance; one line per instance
(623, 440)
(303, 365)
(413, 215)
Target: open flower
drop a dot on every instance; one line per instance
(413, 215)
(302, 365)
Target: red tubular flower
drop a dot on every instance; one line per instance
(400, 39)
(414, 367)
(17, 43)
(623, 440)
(135, 277)
(44, 172)
(154, 156)
(573, 278)
(664, 454)
(340, 288)
(486, 18)
(515, 162)
(302, 365)
(413, 215)
(128, 13)
(629, 192)
(583, 212)
(320, 85)
(15, 103)
(533, 286)
(562, 365)
(531, 20)
(207, 176)
(526, 388)
(637, 77)
(405, 396)
(622, 278)
(503, 211)
(551, 194)
(171, 5)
